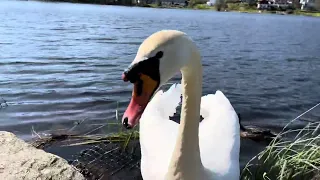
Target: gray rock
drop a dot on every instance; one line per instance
(20, 160)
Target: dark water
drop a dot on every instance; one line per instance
(61, 63)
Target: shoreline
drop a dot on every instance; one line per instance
(106, 150)
(238, 8)
(250, 10)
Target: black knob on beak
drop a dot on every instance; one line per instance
(126, 124)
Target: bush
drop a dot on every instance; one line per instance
(202, 6)
(220, 4)
(240, 7)
(193, 3)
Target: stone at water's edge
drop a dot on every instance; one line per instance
(20, 160)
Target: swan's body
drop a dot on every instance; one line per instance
(218, 135)
(189, 150)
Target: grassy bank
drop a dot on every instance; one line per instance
(101, 2)
(314, 14)
(246, 8)
(292, 155)
(228, 7)
(288, 159)
(237, 7)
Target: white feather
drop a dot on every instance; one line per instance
(219, 135)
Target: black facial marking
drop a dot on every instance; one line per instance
(150, 67)
(159, 55)
(139, 87)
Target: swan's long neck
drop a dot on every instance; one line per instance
(185, 161)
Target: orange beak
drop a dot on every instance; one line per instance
(142, 93)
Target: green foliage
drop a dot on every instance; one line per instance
(104, 2)
(202, 6)
(305, 13)
(220, 4)
(158, 3)
(243, 7)
(285, 159)
(193, 3)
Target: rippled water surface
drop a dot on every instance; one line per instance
(61, 63)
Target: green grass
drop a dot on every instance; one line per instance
(202, 6)
(196, 4)
(242, 7)
(285, 159)
(153, 5)
(119, 137)
(304, 13)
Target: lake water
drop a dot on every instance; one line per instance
(61, 63)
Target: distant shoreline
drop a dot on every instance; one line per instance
(195, 7)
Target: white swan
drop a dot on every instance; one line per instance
(189, 150)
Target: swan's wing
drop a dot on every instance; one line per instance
(219, 136)
(165, 103)
(158, 133)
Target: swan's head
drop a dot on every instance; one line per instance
(158, 59)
